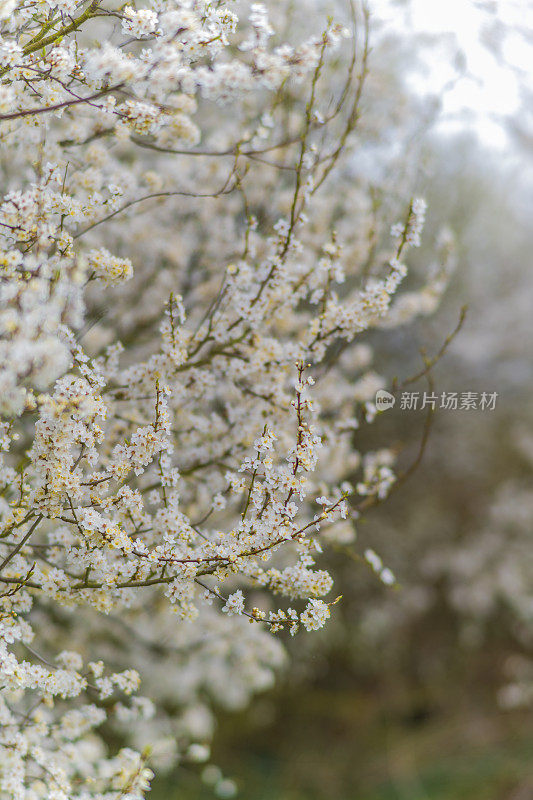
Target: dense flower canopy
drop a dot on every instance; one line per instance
(183, 280)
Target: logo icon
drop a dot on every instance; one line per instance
(384, 400)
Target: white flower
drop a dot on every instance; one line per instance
(138, 23)
(108, 267)
(234, 604)
(374, 560)
(198, 752)
(6, 7)
(315, 615)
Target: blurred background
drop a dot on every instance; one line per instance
(424, 690)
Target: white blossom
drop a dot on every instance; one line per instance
(177, 274)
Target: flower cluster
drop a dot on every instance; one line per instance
(179, 382)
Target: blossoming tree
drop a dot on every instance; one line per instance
(183, 279)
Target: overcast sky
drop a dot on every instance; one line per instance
(491, 41)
